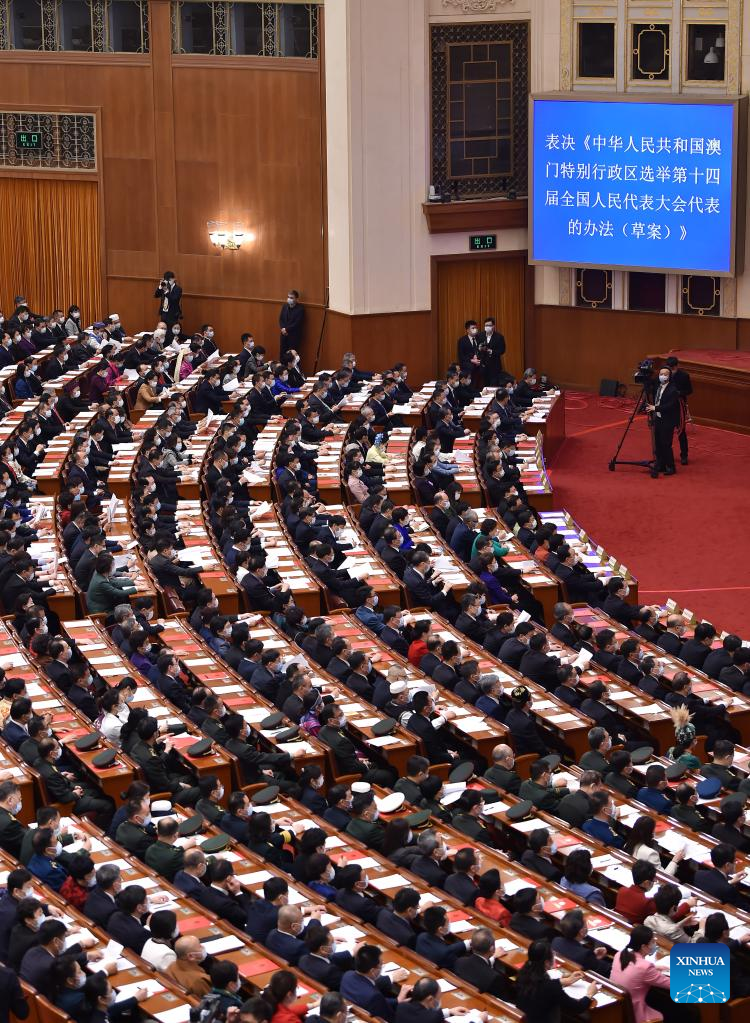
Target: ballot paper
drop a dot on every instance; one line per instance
(223, 944)
(618, 872)
(614, 937)
(579, 989)
(73, 937)
(490, 809)
(257, 877)
(472, 724)
(153, 986)
(516, 884)
(384, 883)
(583, 659)
(347, 935)
(179, 1015)
(472, 1016)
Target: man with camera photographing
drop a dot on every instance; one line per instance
(169, 294)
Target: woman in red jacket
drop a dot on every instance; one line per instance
(280, 995)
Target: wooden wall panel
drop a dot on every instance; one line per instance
(183, 142)
(380, 340)
(580, 347)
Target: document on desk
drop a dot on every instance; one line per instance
(179, 1015)
(578, 990)
(516, 884)
(224, 944)
(153, 986)
(615, 937)
(390, 881)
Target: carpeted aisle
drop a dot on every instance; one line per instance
(683, 536)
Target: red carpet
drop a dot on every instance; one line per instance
(683, 536)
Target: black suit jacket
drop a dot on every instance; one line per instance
(99, 907)
(395, 927)
(436, 741)
(125, 928)
(467, 348)
(668, 410)
(540, 667)
(486, 978)
(171, 310)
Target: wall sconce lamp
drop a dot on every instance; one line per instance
(224, 237)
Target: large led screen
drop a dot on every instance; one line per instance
(636, 184)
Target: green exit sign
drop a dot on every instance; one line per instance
(29, 140)
(482, 242)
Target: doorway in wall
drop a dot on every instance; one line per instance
(472, 287)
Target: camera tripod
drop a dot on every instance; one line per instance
(651, 464)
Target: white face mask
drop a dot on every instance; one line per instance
(663, 378)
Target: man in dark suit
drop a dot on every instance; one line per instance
(286, 940)
(291, 319)
(665, 411)
(737, 675)
(467, 354)
(169, 293)
(492, 351)
(563, 628)
(431, 941)
(390, 633)
(337, 580)
(448, 430)
(582, 585)
(126, 923)
(398, 923)
(262, 593)
(462, 883)
(101, 901)
(438, 743)
(570, 943)
(391, 553)
(514, 648)
(320, 962)
(695, 651)
(440, 512)
(537, 664)
(720, 880)
(427, 590)
(672, 639)
(721, 658)
(366, 987)
(427, 864)
(617, 607)
(477, 967)
(351, 895)
(263, 913)
(37, 963)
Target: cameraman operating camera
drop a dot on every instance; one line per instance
(169, 294)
